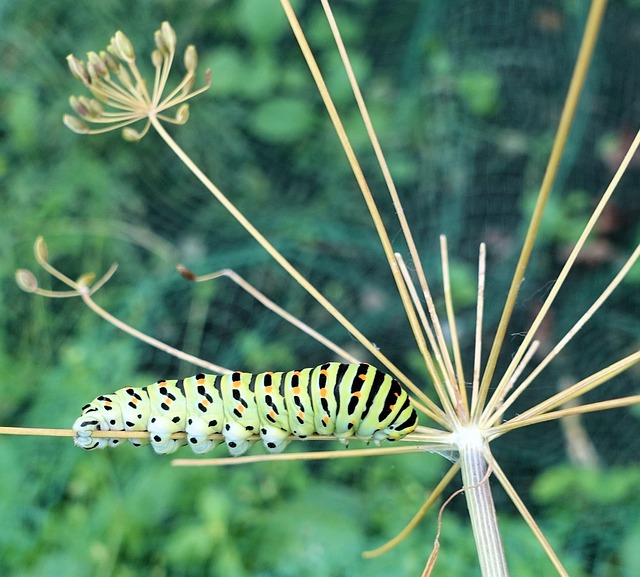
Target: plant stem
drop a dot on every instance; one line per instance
(480, 504)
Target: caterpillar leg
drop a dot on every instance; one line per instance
(205, 414)
(198, 432)
(168, 407)
(84, 427)
(274, 438)
(236, 436)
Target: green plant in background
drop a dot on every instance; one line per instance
(209, 521)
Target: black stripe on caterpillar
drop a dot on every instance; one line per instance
(338, 399)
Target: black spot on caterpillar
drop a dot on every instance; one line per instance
(336, 399)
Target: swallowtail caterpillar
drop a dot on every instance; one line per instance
(343, 400)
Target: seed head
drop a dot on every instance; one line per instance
(120, 93)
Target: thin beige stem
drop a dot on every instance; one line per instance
(432, 441)
(585, 53)
(477, 355)
(317, 456)
(561, 413)
(41, 253)
(526, 515)
(463, 408)
(566, 269)
(362, 183)
(269, 304)
(520, 368)
(577, 390)
(395, 198)
(45, 432)
(570, 334)
(432, 367)
(85, 293)
(435, 412)
(411, 525)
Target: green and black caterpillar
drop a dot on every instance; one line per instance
(337, 399)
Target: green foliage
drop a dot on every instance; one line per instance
(465, 97)
(479, 91)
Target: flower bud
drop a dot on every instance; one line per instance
(26, 280)
(78, 69)
(121, 47)
(75, 124)
(93, 106)
(157, 58)
(168, 36)
(78, 106)
(110, 62)
(159, 40)
(182, 114)
(186, 273)
(86, 280)
(96, 66)
(191, 58)
(131, 135)
(40, 249)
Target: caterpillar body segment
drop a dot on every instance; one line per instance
(334, 399)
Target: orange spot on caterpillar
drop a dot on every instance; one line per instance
(240, 408)
(167, 401)
(325, 420)
(324, 372)
(271, 414)
(268, 389)
(295, 390)
(362, 376)
(357, 394)
(324, 393)
(300, 415)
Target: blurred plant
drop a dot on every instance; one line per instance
(464, 426)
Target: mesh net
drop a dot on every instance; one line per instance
(466, 97)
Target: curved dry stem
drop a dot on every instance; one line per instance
(85, 293)
(524, 512)
(411, 525)
(585, 53)
(435, 413)
(269, 304)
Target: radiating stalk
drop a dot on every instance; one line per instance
(592, 29)
(482, 511)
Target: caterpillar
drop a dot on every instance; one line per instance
(339, 399)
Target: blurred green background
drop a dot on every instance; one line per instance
(466, 96)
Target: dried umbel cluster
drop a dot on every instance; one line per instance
(121, 95)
